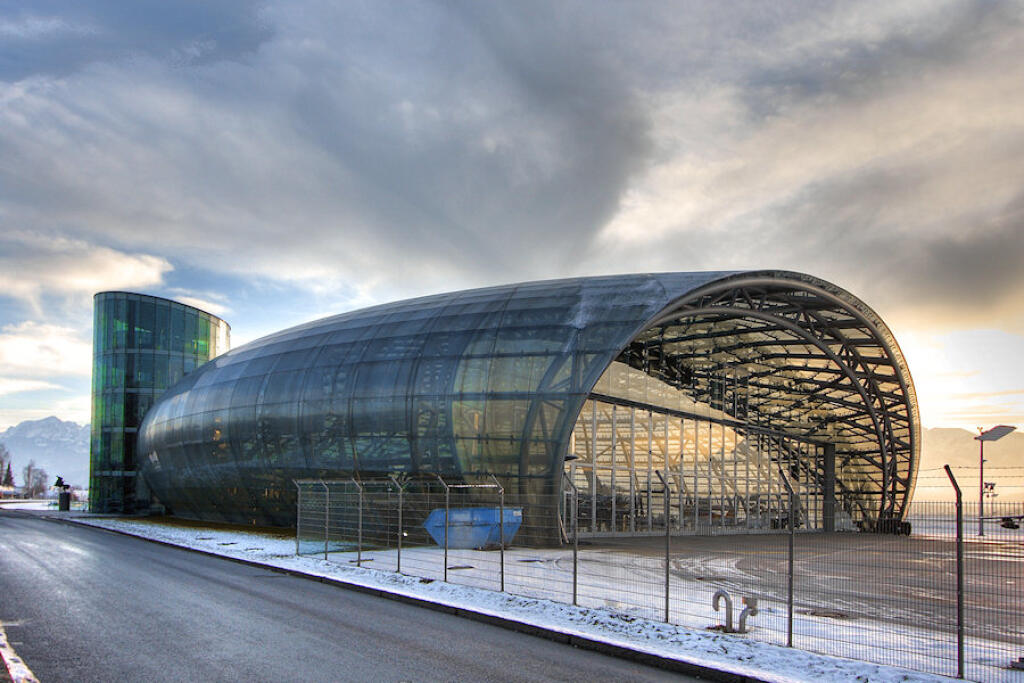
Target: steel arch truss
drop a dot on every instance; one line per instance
(804, 361)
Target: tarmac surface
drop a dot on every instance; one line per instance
(89, 605)
(899, 579)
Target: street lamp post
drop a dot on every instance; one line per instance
(993, 434)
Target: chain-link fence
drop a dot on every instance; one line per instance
(921, 600)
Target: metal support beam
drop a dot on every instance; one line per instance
(829, 487)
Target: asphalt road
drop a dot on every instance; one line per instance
(88, 605)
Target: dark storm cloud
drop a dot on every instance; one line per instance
(388, 149)
(978, 269)
(450, 143)
(855, 63)
(875, 145)
(489, 129)
(295, 159)
(963, 263)
(55, 37)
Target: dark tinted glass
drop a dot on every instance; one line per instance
(138, 351)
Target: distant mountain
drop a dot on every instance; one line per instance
(59, 447)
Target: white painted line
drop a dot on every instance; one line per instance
(19, 671)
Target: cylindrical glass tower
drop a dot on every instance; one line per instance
(141, 346)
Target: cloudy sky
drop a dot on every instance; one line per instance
(274, 163)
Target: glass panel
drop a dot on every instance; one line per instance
(120, 325)
(189, 347)
(177, 343)
(517, 374)
(144, 370)
(144, 325)
(161, 373)
(131, 316)
(472, 375)
(202, 336)
(161, 326)
(283, 387)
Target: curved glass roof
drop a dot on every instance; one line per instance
(493, 380)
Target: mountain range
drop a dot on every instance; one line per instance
(62, 448)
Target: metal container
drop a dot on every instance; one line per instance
(474, 527)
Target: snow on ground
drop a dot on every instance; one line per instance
(734, 653)
(633, 585)
(28, 504)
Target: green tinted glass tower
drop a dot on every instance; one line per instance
(141, 346)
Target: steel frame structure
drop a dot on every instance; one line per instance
(797, 362)
(496, 382)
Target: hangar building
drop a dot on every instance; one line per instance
(732, 385)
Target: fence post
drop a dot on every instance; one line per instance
(668, 540)
(789, 570)
(398, 567)
(298, 514)
(327, 515)
(447, 503)
(575, 535)
(359, 532)
(501, 527)
(789, 589)
(959, 576)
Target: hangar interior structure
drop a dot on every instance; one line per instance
(733, 386)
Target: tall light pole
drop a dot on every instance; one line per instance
(993, 434)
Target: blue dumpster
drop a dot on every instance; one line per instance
(473, 527)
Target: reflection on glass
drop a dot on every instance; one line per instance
(139, 350)
(729, 388)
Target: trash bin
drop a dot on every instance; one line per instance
(64, 501)
(477, 528)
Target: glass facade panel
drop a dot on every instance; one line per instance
(135, 359)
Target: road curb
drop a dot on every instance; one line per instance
(582, 642)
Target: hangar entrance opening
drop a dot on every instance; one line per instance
(722, 476)
(735, 394)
